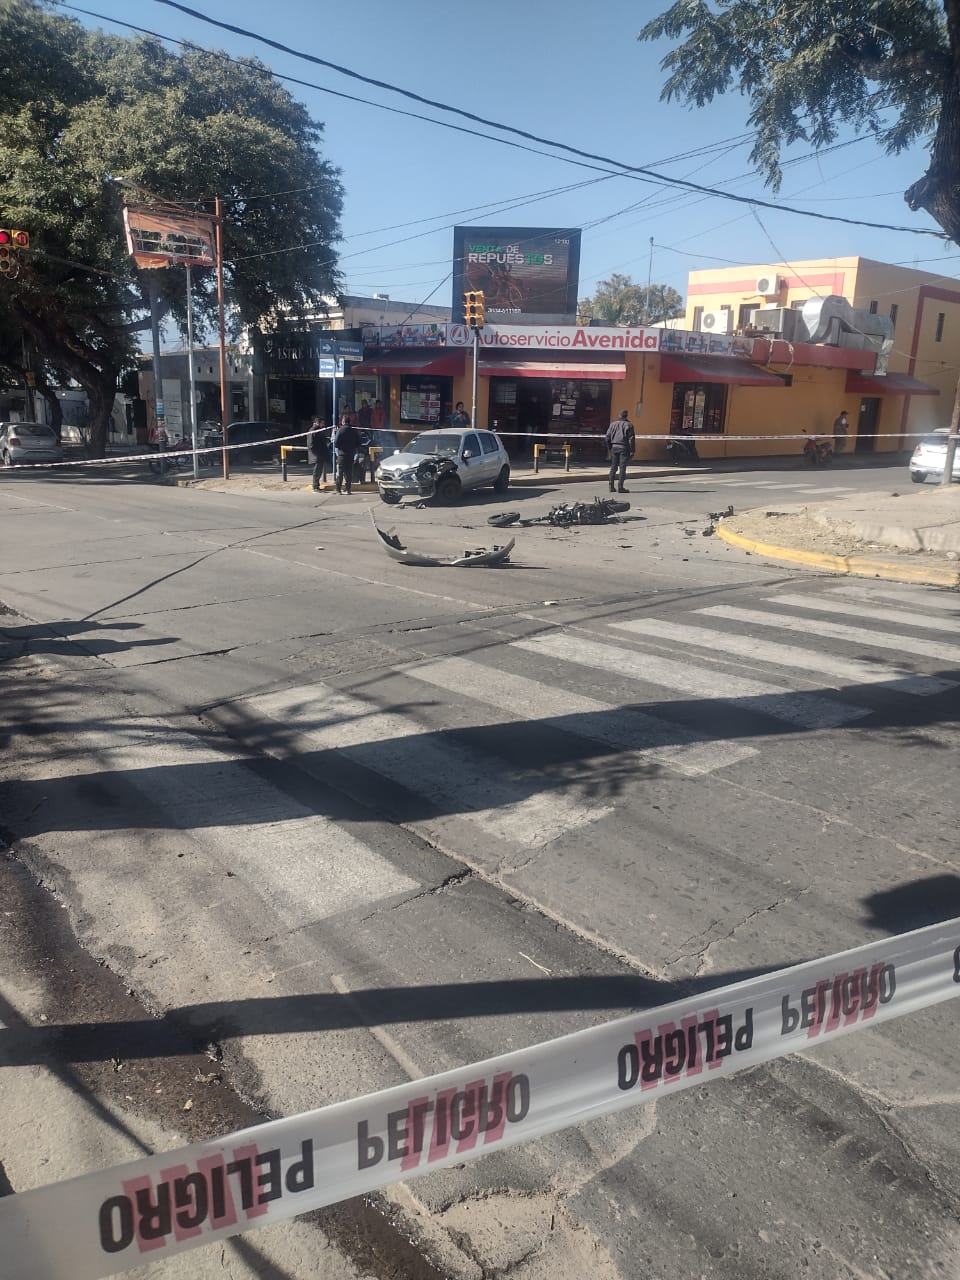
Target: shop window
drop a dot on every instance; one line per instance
(743, 315)
(697, 317)
(425, 400)
(893, 313)
(698, 407)
(874, 306)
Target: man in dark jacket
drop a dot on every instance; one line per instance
(347, 446)
(318, 445)
(620, 441)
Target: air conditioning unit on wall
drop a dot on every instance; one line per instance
(769, 286)
(716, 322)
(780, 322)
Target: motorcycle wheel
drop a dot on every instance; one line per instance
(503, 519)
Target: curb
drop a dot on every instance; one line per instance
(854, 566)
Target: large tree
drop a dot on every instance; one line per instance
(619, 301)
(890, 68)
(82, 110)
(808, 68)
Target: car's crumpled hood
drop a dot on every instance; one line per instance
(406, 461)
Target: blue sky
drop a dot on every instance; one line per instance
(572, 72)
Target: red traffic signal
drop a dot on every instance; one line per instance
(6, 239)
(21, 239)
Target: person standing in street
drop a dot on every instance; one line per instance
(621, 440)
(841, 427)
(318, 443)
(347, 446)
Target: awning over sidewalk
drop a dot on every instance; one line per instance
(888, 384)
(609, 370)
(728, 369)
(443, 364)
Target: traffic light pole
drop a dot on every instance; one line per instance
(476, 358)
(158, 409)
(224, 395)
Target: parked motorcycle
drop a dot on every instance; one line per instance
(818, 451)
(682, 449)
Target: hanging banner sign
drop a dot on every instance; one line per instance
(104, 1223)
(156, 239)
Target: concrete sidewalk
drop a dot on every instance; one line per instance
(918, 533)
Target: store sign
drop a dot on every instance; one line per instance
(300, 355)
(524, 273)
(712, 344)
(534, 338)
(392, 337)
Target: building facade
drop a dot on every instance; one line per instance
(923, 310)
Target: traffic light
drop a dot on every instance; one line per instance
(10, 241)
(473, 309)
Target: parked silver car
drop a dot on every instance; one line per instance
(22, 442)
(930, 457)
(479, 458)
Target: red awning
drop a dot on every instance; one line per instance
(449, 364)
(888, 384)
(608, 371)
(729, 369)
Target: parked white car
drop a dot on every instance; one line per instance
(479, 456)
(26, 442)
(930, 457)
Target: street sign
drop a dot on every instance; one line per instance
(347, 350)
(329, 368)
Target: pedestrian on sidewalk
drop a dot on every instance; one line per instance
(460, 417)
(347, 446)
(621, 440)
(318, 444)
(841, 427)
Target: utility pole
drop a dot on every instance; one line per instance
(192, 374)
(224, 398)
(646, 302)
(158, 411)
(952, 441)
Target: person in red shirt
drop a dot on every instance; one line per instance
(378, 418)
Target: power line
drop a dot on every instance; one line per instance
(622, 166)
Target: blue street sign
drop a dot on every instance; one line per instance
(347, 350)
(330, 368)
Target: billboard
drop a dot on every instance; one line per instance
(156, 239)
(526, 274)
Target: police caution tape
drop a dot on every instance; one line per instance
(104, 1223)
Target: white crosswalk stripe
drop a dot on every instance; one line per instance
(936, 649)
(894, 617)
(646, 737)
(304, 865)
(816, 664)
(693, 680)
(922, 597)
(457, 779)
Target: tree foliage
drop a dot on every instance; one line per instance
(890, 68)
(618, 301)
(82, 109)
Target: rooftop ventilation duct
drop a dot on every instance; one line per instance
(833, 322)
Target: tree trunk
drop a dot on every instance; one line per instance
(101, 393)
(54, 406)
(938, 191)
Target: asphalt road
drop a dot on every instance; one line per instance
(333, 822)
